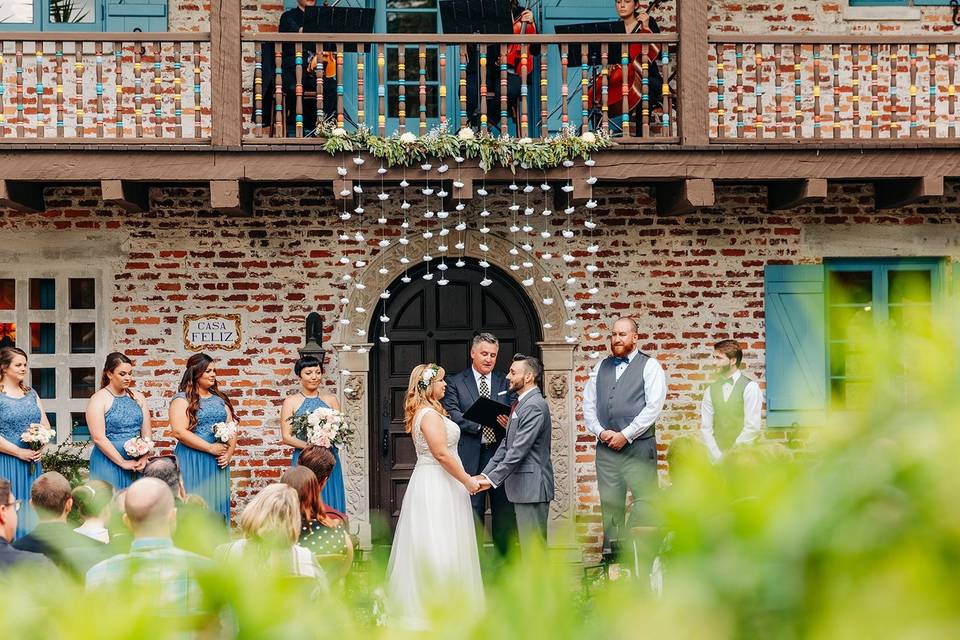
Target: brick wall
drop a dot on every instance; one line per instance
(689, 280)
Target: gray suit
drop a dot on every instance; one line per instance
(522, 465)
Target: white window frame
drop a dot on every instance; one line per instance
(61, 360)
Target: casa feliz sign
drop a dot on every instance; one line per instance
(212, 331)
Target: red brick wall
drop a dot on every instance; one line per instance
(689, 280)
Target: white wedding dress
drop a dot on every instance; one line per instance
(434, 559)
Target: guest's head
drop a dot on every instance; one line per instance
(727, 356)
(308, 488)
(320, 460)
(303, 4)
(13, 368)
(425, 388)
(167, 470)
(310, 370)
(8, 511)
(200, 376)
(51, 497)
(92, 499)
(524, 372)
(117, 372)
(624, 337)
(149, 510)
(627, 8)
(483, 352)
(272, 518)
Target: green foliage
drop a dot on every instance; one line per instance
(67, 458)
(67, 12)
(407, 149)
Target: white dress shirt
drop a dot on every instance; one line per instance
(752, 404)
(477, 376)
(655, 389)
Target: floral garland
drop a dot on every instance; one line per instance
(406, 149)
(426, 379)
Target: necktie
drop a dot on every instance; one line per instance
(487, 434)
(617, 361)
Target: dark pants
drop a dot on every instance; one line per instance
(504, 520)
(310, 105)
(493, 97)
(634, 467)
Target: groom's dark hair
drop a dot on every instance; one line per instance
(532, 364)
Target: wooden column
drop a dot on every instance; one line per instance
(693, 103)
(225, 78)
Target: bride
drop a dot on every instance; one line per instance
(434, 552)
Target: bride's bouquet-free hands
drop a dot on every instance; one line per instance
(323, 427)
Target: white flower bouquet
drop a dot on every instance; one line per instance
(225, 431)
(138, 447)
(323, 427)
(36, 437)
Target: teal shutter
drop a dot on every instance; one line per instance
(796, 367)
(136, 15)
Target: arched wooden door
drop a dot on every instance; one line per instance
(430, 323)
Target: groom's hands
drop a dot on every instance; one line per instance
(483, 482)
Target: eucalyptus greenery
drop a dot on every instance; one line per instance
(406, 149)
(67, 458)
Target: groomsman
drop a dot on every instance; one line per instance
(478, 443)
(730, 411)
(621, 403)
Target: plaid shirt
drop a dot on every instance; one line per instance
(154, 563)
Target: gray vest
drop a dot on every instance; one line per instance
(727, 414)
(620, 401)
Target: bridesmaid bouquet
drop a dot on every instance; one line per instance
(322, 427)
(138, 447)
(35, 437)
(225, 431)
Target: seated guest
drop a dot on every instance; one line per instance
(198, 529)
(92, 500)
(322, 530)
(154, 563)
(270, 524)
(72, 552)
(9, 556)
(292, 22)
(120, 536)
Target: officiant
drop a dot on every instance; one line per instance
(479, 442)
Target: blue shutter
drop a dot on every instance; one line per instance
(136, 15)
(796, 367)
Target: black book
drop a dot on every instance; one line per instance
(485, 411)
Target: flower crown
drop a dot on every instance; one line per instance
(427, 377)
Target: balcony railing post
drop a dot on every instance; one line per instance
(225, 61)
(693, 100)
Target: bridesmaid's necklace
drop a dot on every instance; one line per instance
(312, 397)
(110, 391)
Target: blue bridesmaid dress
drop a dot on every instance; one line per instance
(16, 416)
(201, 475)
(333, 494)
(123, 421)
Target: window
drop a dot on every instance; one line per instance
(817, 318)
(83, 15)
(61, 322)
(412, 16)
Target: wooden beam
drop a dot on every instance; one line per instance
(132, 197)
(892, 194)
(794, 193)
(466, 191)
(231, 196)
(685, 196)
(226, 117)
(692, 71)
(22, 196)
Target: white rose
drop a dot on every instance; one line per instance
(339, 132)
(526, 140)
(466, 134)
(408, 138)
(588, 137)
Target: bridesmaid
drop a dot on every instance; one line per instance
(19, 408)
(309, 369)
(204, 460)
(116, 414)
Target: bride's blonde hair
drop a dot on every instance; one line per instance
(418, 390)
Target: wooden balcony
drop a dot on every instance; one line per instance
(794, 111)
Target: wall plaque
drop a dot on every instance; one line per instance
(212, 331)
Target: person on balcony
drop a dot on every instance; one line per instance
(523, 24)
(323, 64)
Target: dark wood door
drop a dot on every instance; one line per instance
(429, 323)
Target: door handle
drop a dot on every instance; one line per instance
(385, 443)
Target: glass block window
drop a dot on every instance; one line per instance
(61, 322)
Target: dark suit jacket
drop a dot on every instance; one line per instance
(73, 552)
(10, 557)
(461, 393)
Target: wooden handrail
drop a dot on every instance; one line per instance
(456, 38)
(125, 36)
(818, 38)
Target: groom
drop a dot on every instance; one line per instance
(522, 462)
